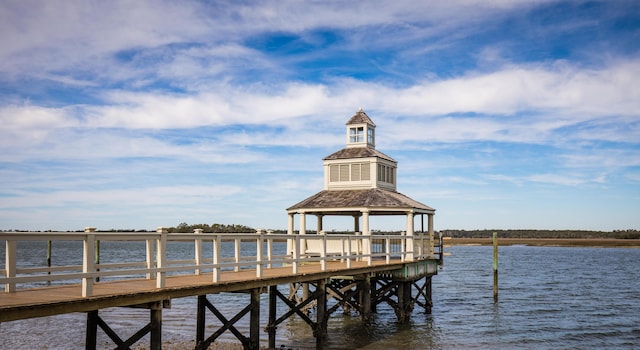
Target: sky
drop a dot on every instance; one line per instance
(138, 114)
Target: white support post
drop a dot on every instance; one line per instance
(296, 254)
(409, 238)
(88, 261)
(290, 226)
(349, 252)
(319, 225)
(10, 265)
(236, 255)
(161, 256)
(269, 249)
(366, 242)
(198, 251)
(259, 253)
(430, 228)
(323, 253)
(151, 261)
(303, 230)
(217, 243)
(387, 242)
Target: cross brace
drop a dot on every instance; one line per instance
(154, 327)
(249, 343)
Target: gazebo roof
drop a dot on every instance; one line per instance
(358, 152)
(350, 202)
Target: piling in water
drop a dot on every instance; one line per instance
(495, 267)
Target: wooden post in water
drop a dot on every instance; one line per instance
(97, 258)
(495, 267)
(49, 259)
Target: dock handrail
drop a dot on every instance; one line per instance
(157, 248)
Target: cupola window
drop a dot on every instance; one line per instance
(356, 134)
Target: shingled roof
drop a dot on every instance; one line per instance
(360, 118)
(358, 152)
(379, 201)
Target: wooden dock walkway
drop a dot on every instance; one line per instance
(47, 301)
(316, 267)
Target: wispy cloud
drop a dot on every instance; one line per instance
(152, 99)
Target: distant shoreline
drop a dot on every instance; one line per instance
(550, 242)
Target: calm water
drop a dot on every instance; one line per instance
(549, 298)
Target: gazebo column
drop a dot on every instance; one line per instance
(356, 223)
(366, 240)
(409, 238)
(290, 232)
(319, 216)
(430, 228)
(303, 231)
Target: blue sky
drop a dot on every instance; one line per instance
(139, 114)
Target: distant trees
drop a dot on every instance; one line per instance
(216, 228)
(620, 234)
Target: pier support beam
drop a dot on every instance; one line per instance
(423, 295)
(399, 295)
(154, 328)
(301, 308)
(252, 342)
(365, 298)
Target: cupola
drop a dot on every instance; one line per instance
(361, 131)
(359, 165)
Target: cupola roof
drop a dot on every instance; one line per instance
(360, 118)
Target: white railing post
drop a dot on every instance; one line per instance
(403, 243)
(366, 242)
(236, 255)
(198, 251)
(217, 242)
(151, 261)
(269, 249)
(349, 252)
(88, 261)
(296, 253)
(161, 256)
(259, 253)
(323, 252)
(430, 229)
(387, 247)
(10, 264)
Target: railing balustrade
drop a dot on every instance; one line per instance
(255, 251)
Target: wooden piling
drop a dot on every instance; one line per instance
(271, 327)
(254, 321)
(49, 259)
(495, 267)
(321, 316)
(97, 258)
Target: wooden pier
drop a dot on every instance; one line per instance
(388, 273)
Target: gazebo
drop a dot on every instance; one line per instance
(360, 181)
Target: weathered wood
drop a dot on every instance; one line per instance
(156, 326)
(254, 321)
(92, 330)
(271, 326)
(365, 297)
(200, 319)
(495, 267)
(320, 330)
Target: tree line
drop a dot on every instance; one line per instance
(619, 234)
(455, 233)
